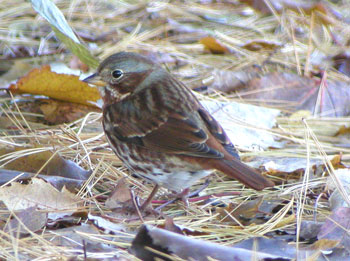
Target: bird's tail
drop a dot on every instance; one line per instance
(243, 173)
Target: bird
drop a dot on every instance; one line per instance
(160, 130)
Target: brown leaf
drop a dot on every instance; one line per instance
(342, 62)
(85, 237)
(228, 81)
(309, 229)
(120, 195)
(170, 226)
(58, 86)
(54, 111)
(324, 244)
(58, 112)
(294, 92)
(27, 220)
(336, 227)
(242, 213)
(258, 45)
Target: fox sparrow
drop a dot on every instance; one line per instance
(159, 129)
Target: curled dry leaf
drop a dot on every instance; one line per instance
(63, 87)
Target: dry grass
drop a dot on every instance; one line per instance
(160, 27)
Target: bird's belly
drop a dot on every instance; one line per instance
(166, 170)
(179, 180)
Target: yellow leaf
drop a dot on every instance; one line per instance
(64, 87)
(285, 221)
(213, 45)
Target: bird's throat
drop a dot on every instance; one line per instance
(111, 95)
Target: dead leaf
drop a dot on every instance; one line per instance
(63, 87)
(235, 117)
(170, 226)
(56, 181)
(228, 81)
(286, 221)
(336, 227)
(337, 162)
(309, 229)
(58, 112)
(39, 194)
(120, 195)
(57, 166)
(243, 213)
(293, 92)
(342, 62)
(324, 244)
(258, 45)
(336, 199)
(107, 225)
(27, 220)
(288, 168)
(84, 237)
(324, 13)
(213, 45)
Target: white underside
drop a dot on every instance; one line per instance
(177, 181)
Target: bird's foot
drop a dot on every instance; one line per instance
(184, 195)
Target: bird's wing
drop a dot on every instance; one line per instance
(218, 132)
(189, 131)
(185, 135)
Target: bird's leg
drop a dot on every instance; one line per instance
(184, 195)
(149, 198)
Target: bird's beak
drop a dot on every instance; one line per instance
(96, 80)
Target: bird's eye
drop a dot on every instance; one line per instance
(117, 74)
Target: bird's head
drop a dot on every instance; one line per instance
(122, 74)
